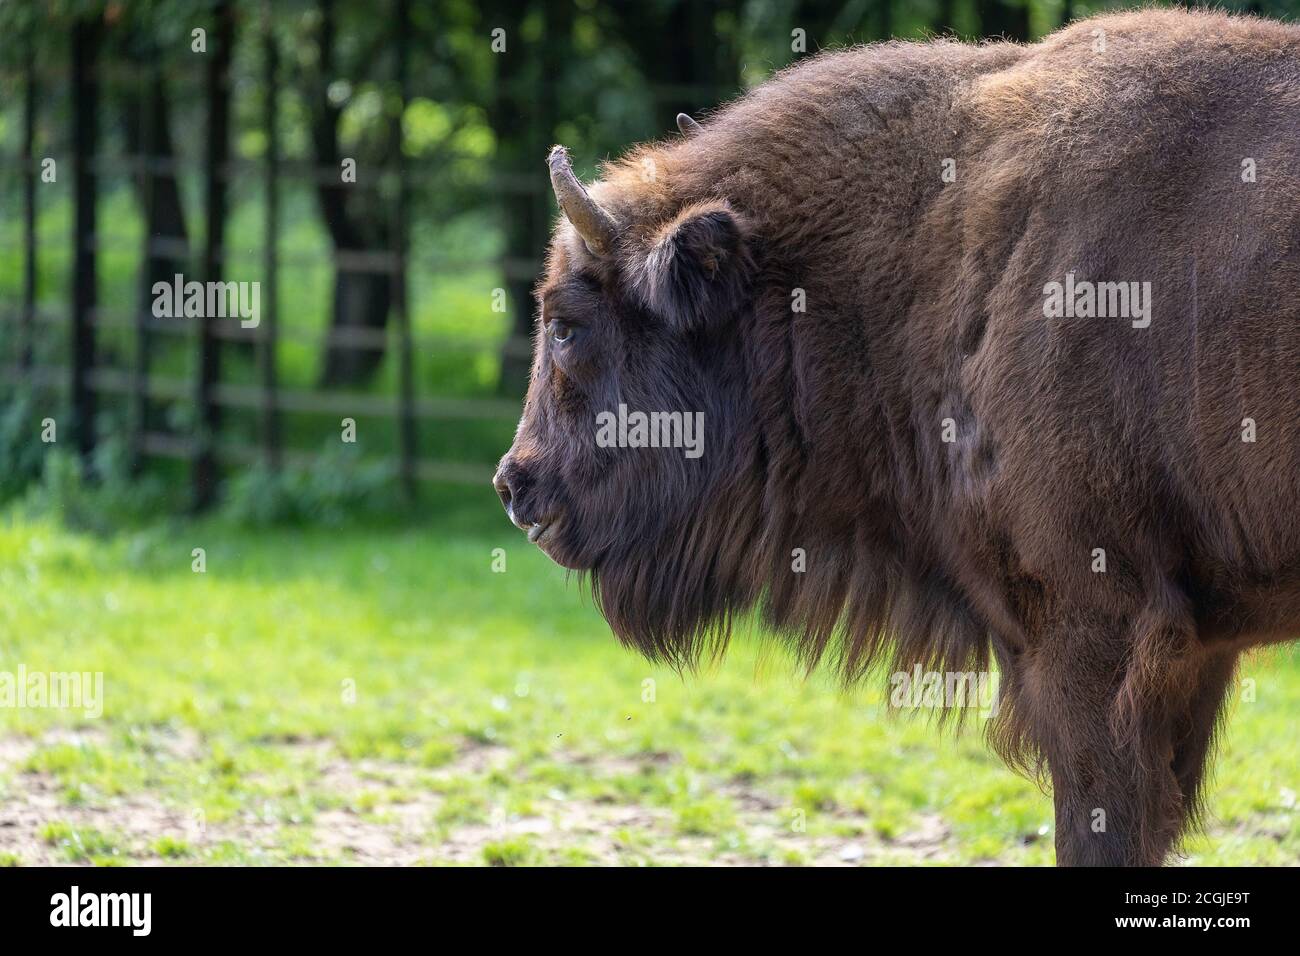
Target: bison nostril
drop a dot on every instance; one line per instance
(503, 490)
(511, 484)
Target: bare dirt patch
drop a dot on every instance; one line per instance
(30, 801)
(386, 813)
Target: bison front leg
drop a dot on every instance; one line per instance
(1104, 702)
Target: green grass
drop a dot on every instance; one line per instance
(380, 694)
(81, 844)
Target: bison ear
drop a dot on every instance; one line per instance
(699, 265)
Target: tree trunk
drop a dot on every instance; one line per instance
(361, 298)
(205, 473)
(158, 191)
(361, 301)
(86, 37)
(165, 252)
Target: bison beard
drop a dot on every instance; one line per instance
(1073, 437)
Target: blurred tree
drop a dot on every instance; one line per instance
(146, 111)
(218, 90)
(1004, 18)
(87, 32)
(353, 111)
(943, 18)
(356, 221)
(687, 51)
(142, 38)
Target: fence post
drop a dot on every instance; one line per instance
(266, 355)
(405, 377)
(29, 207)
(152, 78)
(207, 411)
(85, 116)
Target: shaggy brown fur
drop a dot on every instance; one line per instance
(825, 428)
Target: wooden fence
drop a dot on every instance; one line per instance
(71, 90)
(84, 380)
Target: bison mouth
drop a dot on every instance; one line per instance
(547, 535)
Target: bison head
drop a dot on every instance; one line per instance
(635, 458)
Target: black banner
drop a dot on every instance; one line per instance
(333, 905)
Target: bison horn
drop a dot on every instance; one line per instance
(594, 224)
(687, 126)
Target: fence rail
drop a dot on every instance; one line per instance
(207, 255)
(231, 330)
(119, 382)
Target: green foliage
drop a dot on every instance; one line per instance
(22, 453)
(171, 848)
(340, 488)
(80, 844)
(105, 497)
(515, 852)
(705, 816)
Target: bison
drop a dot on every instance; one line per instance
(995, 351)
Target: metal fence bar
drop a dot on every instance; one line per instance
(173, 446)
(209, 347)
(143, 393)
(237, 169)
(346, 260)
(405, 358)
(140, 395)
(304, 401)
(159, 444)
(113, 72)
(29, 204)
(85, 118)
(270, 269)
(232, 331)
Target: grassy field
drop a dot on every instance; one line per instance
(382, 695)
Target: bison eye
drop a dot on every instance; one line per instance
(561, 332)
